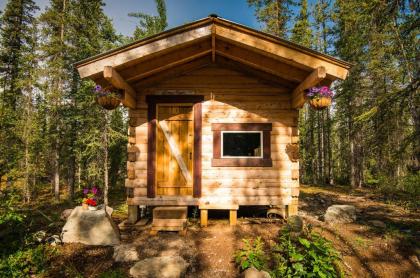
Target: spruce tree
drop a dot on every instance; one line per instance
(274, 14)
(149, 25)
(16, 40)
(301, 31)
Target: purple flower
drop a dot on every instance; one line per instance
(94, 190)
(85, 191)
(97, 89)
(315, 92)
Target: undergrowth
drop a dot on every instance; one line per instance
(305, 254)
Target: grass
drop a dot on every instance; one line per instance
(362, 242)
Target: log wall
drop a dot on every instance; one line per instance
(230, 97)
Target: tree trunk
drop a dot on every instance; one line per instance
(71, 176)
(329, 150)
(27, 189)
(319, 160)
(56, 171)
(106, 161)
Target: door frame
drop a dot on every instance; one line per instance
(152, 101)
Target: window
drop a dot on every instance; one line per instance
(241, 145)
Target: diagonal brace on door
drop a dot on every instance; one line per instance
(175, 151)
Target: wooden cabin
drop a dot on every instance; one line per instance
(213, 113)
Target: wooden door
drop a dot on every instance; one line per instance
(174, 149)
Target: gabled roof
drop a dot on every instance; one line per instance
(206, 40)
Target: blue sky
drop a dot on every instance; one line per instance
(179, 11)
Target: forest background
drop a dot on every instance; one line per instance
(51, 130)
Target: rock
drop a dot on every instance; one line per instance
(125, 253)
(255, 273)
(295, 223)
(162, 267)
(53, 240)
(340, 214)
(65, 214)
(378, 224)
(91, 228)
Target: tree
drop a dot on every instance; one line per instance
(149, 25)
(17, 43)
(274, 14)
(301, 32)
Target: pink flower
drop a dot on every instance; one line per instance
(94, 190)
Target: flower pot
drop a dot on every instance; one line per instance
(93, 208)
(85, 206)
(320, 103)
(108, 102)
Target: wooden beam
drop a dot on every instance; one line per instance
(286, 53)
(172, 73)
(170, 65)
(316, 76)
(213, 43)
(267, 78)
(143, 51)
(149, 67)
(261, 62)
(113, 77)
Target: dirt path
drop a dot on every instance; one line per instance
(209, 250)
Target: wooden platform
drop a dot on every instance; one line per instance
(169, 219)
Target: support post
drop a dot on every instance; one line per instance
(133, 214)
(203, 217)
(233, 217)
(292, 208)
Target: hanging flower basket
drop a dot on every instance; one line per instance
(108, 99)
(319, 97)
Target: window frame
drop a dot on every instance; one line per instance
(232, 161)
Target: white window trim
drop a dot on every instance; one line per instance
(244, 131)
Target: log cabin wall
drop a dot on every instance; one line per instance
(230, 97)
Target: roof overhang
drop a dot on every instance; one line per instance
(204, 41)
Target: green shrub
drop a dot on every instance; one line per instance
(252, 254)
(304, 255)
(12, 222)
(9, 214)
(27, 262)
(411, 184)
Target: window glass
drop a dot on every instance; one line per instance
(241, 144)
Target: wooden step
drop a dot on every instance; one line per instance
(169, 219)
(170, 213)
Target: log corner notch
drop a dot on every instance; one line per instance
(116, 80)
(315, 77)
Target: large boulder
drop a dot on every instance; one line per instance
(90, 227)
(162, 267)
(125, 253)
(340, 214)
